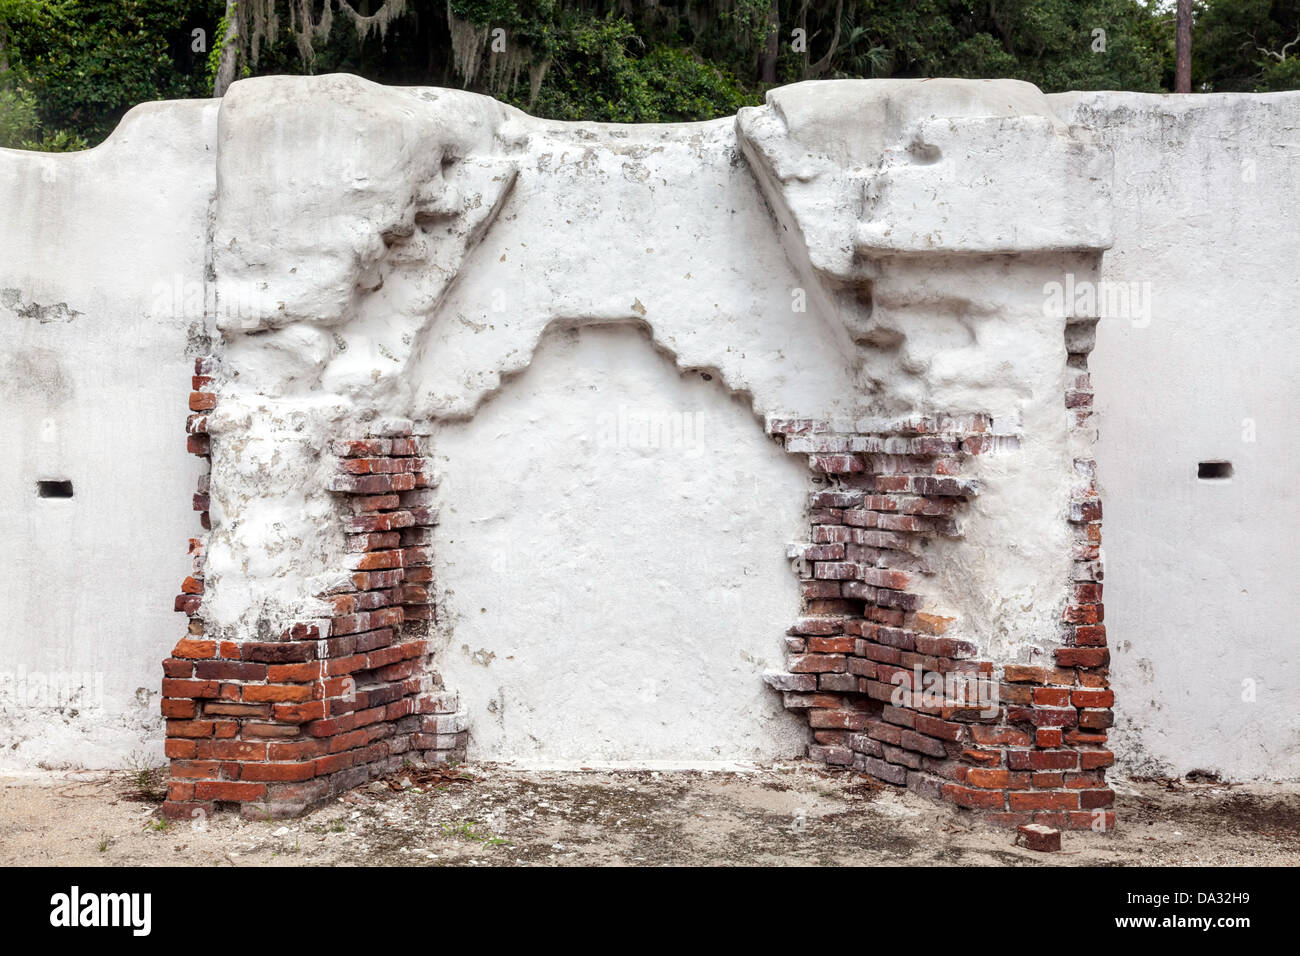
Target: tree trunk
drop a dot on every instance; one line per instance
(772, 48)
(824, 64)
(1183, 48)
(229, 52)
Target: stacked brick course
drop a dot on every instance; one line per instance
(885, 692)
(275, 726)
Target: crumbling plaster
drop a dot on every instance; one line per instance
(389, 252)
(423, 307)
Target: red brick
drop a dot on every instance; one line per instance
(299, 713)
(227, 709)
(179, 749)
(1000, 736)
(1087, 592)
(1048, 737)
(278, 693)
(1090, 635)
(1045, 716)
(1082, 657)
(813, 590)
(1096, 719)
(175, 667)
(182, 709)
(933, 727)
(361, 448)
(189, 728)
(1036, 836)
(295, 673)
(195, 769)
(194, 649)
(278, 652)
(1043, 800)
(1074, 737)
(179, 790)
(1083, 613)
(818, 664)
(336, 762)
(237, 792)
(1093, 698)
(1019, 674)
(229, 670)
(241, 750)
(974, 799)
(831, 645)
(278, 771)
(1093, 759)
(1090, 780)
(346, 665)
(1042, 759)
(1052, 696)
(270, 730)
(296, 749)
(997, 779)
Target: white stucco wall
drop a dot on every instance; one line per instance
(1201, 599)
(605, 562)
(93, 389)
(1198, 597)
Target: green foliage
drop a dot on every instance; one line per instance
(215, 51)
(56, 141)
(1047, 42)
(599, 72)
(87, 62)
(1242, 46)
(18, 122)
(69, 69)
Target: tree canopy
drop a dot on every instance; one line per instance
(69, 69)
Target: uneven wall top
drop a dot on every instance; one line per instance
(856, 254)
(346, 212)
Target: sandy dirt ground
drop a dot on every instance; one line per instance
(486, 815)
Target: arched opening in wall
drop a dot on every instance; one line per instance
(610, 562)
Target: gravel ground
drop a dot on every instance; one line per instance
(491, 815)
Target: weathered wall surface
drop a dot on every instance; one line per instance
(606, 561)
(101, 312)
(398, 302)
(402, 252)
(1200, 595)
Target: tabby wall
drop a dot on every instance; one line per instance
(598, 328)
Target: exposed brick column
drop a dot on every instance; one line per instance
(884, 691)
(273, 727)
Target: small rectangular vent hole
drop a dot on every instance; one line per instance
(54, 489)
(1214, 470)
